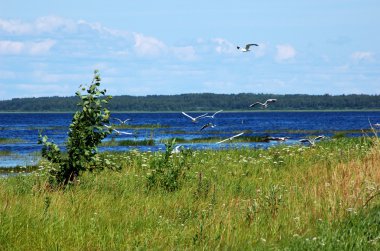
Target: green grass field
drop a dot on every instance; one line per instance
(285, 198)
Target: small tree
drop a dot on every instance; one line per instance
(85, 133)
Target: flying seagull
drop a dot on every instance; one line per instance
(311, 141)
(265, 104)
(177, 149)
(207, 125)
(117, 131)
(278, 138)
(246, 48)
(230, 138)
(377, 124)
(194, 120)
(212, 116)
(122, 121)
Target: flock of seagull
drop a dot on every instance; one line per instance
(263, 105)
(310, 141)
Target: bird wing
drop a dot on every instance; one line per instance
(305, 140)
(257, 103)
(222, 141)
(217, 112)
(319, 137)
(176, 149)
(271, 100)
(121, 132)
(205, 126)
(249, 45)
(119, 120)
(126, 133)
(230, 138)
(237, 135)
(125, 121)
(201, 116)
(212, 116)
(188, 116)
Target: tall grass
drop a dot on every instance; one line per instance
(286, 197)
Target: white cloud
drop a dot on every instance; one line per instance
(148, 46)
(15, 26)
(186, 53)
(260, 50)
(53, 23)
(38, 48)
(40, 90)
(285, 52)
(40, 25)
(223, 46)
(11, 47)
(362, 56)
(104, 30)
(32, 48)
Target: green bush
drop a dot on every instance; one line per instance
(85, 133)
(167, 171)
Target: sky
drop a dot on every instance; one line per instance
(50, 48)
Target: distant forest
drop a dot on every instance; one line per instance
(200, 102)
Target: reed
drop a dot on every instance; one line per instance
(286, 197)
(11, 140)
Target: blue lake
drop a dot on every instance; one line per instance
(25, 128)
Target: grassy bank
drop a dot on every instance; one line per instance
(287, 197)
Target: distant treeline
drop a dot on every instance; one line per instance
(199, 102)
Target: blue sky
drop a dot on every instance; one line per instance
(49, 48)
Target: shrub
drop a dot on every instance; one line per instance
(85, 133)
(167, 171)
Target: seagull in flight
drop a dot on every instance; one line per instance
(122, 121)
(311, 141)
(212, 116)
(194, 120)
(177, 149)
(265, 104)
(278, 138)
(207, 125)
(246, 48)
(117, 131)
(377, 124)
(230, 138)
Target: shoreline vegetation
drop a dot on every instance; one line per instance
(324, 195)
(202, 102)
(288, 197)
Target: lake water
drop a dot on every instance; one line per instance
(24, 128)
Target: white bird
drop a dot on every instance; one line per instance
(230, 138)
(246, 48)
(311, 141)
(122, 121)
(212, 116)
(377, 124)
(177, 149)
(117, 131)
(265, 104)
(278, 138)
(194, 120)
(207, 125)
